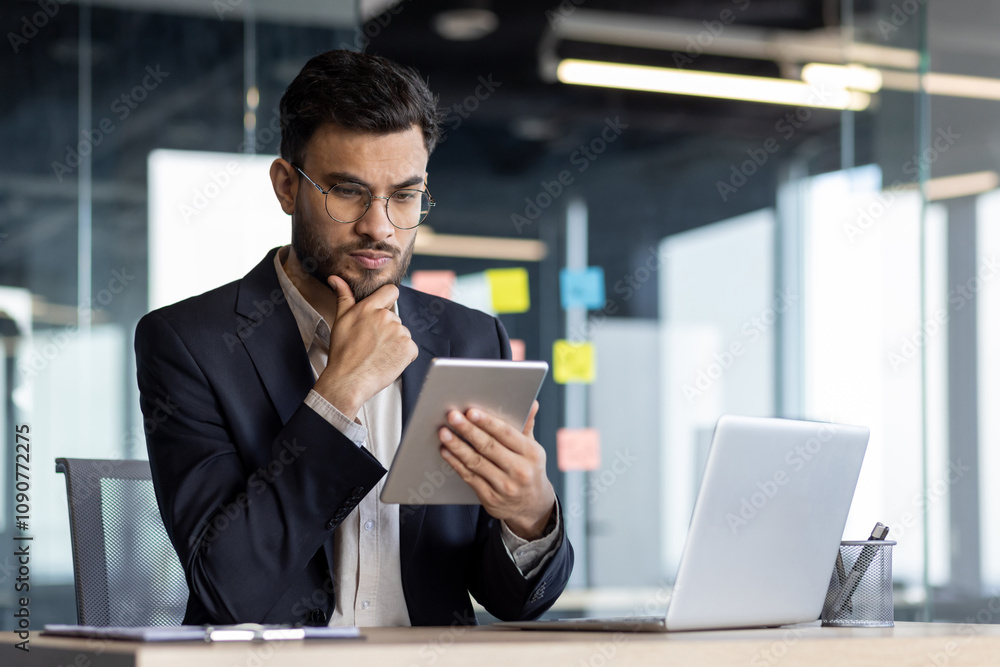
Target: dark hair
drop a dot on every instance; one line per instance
(356, 91)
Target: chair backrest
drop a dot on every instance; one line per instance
(125, 571)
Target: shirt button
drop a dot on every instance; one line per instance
(369, 525)
(365, 604)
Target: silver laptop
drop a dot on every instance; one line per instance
(765, 531)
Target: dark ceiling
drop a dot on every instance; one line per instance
(662, 179)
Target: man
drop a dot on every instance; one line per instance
(286, 393)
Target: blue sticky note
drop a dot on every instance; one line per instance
(582, 288)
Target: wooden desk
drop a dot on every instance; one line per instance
(925, 644)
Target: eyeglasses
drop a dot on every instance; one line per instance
(348, 202)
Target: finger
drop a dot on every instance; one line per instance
(485, 492)
(384, 297)
(471, 458)
(529, 426)
(499, 431)
(345, 297)
(495, 449)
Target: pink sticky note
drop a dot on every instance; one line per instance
(517, 349)
(578, 449)
(438, 283)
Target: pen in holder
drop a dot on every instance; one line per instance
(860, 592)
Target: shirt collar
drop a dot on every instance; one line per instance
(311, 324)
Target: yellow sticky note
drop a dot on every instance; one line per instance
(578, 449)
(572, 362)
(516, 349)
(509, 289)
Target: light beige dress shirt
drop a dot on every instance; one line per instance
(368, 584)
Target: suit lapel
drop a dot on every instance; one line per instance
(424, 329)
(271, 338)
(418, 317)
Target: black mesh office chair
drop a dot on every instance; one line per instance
(125, 571)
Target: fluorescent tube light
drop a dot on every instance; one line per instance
(962, 185)
(958, 85)
(709, 84)
(948, 85)
(482, 247)
(851, 77)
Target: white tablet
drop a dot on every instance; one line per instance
(418, 475)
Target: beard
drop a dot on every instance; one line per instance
(321, 260)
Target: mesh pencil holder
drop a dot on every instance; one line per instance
(860, 592)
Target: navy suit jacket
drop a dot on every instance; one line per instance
(251, 483)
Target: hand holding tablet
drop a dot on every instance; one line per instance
(504, 466)
(502, 392)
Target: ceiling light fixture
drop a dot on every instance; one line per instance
(482, 247)
(962, 185)
(850, 77)
(709, 84)
(465, 25)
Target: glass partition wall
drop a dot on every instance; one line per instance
(687, 252)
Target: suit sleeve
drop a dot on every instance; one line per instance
(241, 535)
(496, 582)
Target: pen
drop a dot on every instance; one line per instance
(860, 567)
(842, 575)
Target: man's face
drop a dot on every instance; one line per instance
(369, 252)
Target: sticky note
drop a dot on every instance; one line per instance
(517, 349)
(582, 288)
(509, 289)
(578, 449)
(572, 362)
(473, 291)
(438, 283)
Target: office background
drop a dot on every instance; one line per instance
(758, 258)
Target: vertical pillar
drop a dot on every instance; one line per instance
(963, 392)
(576, 396)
